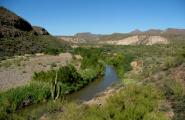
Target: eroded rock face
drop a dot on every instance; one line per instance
(140, 40)
(157, 40)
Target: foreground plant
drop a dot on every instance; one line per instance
(55, 88)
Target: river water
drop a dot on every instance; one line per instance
(97, 86)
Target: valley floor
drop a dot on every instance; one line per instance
(19, 71)
(152, 86)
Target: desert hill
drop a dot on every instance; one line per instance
(19, 37)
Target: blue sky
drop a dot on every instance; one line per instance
(67, 17)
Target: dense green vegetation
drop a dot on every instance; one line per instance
(105, 55)
(90, 56)
(156, 60)
(69, 79)
(145, 94)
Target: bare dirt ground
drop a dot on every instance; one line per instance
(18, 71)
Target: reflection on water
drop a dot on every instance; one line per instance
(97, 86)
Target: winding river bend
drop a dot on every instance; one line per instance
(97, 86)
(87, 93)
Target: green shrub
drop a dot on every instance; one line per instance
(174, 61)
(68, 78)
(20, 97)
(121, 62)
(90, 56)
(155, 116)
(88, 74)
(175, 92)
(35, 113)
(134, 102)
(173, 88)
(44, 76)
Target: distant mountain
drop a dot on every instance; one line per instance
(136, 37)
(154, 31)
(159, 32)
(86, 34)
(18, 37)
(175, 31)
(86, 37)
(136, 31)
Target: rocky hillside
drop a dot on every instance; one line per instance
(12, 25)
(18, 37)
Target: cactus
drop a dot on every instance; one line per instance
(55, 88)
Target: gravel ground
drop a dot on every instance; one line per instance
(18, 74)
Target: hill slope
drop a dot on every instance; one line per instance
(18, 37)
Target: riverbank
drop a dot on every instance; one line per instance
(101, 98)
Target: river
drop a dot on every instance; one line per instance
(97, 86)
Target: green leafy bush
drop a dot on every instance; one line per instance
(88, 74)
(69, 79)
